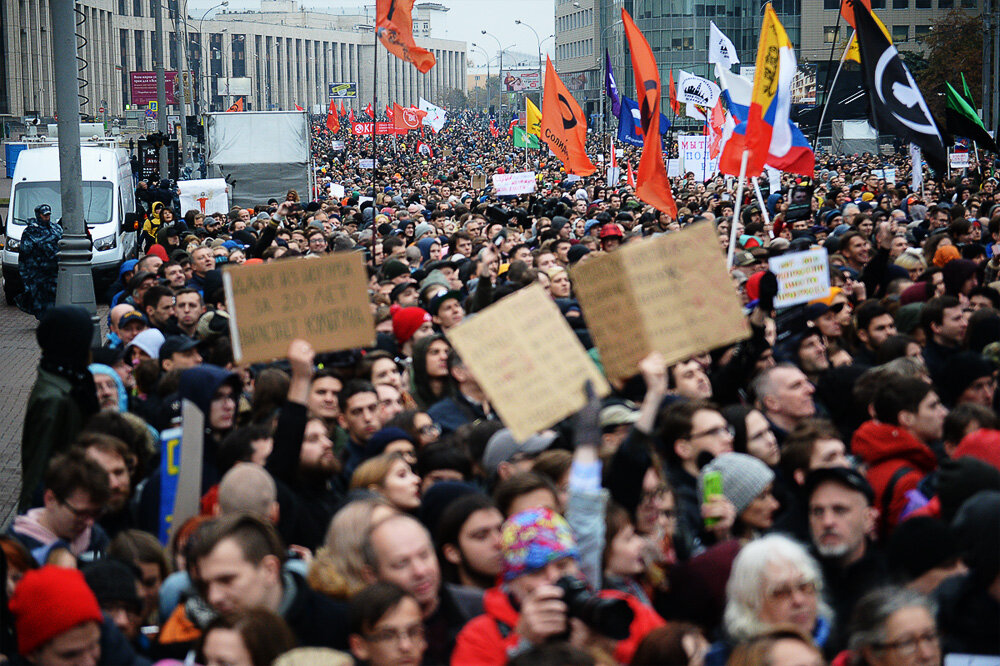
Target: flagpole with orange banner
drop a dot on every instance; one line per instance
(652, 184)
(564, 126)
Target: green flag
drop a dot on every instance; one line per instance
(962, 119)
(524, 140)
(967, 92)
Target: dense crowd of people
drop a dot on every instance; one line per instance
(826, 491)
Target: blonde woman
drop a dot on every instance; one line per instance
(337, 568)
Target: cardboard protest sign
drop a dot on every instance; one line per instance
(528, 361)
(324, 301)
(478, 181)
(209, 195)
(514, 183)
(669, 294)
(802, 276)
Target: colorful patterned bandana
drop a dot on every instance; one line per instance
(533, 538)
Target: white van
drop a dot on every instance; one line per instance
(108, 204)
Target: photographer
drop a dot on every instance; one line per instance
(542, 597)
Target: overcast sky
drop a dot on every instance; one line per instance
(464, 22)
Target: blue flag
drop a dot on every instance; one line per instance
(611, 86)
(630, 123)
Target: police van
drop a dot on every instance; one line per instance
(108, 207)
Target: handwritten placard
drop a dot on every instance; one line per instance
(514, 183)
(528, 361)
(324, 301)
(802, 276)
(669, 294)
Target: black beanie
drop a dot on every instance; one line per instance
(959, 479)
(978, 537)
(64, 334)
(113, 581)
(963, 369)
(920, 544)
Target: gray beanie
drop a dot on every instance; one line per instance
(421, 229)
(743, 478)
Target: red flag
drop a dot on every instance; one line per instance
(564, 126)
(395, 30)
(352, 116)
(388, 111)
(654, 185)
(614, 158)
(847, 11)
(406, 117)
(237, 106)
(631, 176)
(332, 121)
(299, 108)
(343, 109)
(493, 128)
(370, 111)
(424, 149)
(674, 102)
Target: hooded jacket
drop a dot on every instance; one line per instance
(892, 453)
(485, 640)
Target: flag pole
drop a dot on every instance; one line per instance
(374, 124)
(829, 91)
(760, 202)
(736, 210)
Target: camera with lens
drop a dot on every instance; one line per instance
(608, 617)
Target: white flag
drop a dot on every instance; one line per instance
(721, 49)
(435, 117)
(697, 90)
(917, 161)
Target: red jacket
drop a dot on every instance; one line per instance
(481, 642)
(887, 449)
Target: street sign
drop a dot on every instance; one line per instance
(154, 106)
(100, 110)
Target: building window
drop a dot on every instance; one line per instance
(900, 4)
(922, 4)
(878, 4)
(946, 4)
(830, 34)
(831, 4)
(900, 33)
(969, 4)
(921, 31)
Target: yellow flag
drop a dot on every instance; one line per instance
(853, 53)
(534, 118)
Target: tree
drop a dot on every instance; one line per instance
(954, 45)
(455, 99)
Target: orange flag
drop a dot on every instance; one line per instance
(564, 127)
(847, 11)
(237, 106)
(332, 119)
(395, 29)
(653, 183)
(674, 102)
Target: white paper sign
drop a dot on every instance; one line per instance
(802, 276)
(959, 160)
(514, 183)
(694, 156)
(337, 190)
(337, 145)
(366, 163)
(209, 196)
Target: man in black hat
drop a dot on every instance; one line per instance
(841, 523)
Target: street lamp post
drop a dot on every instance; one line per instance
(538, 43)
(201, 34)
(474, 45)
(604, 83)
(499, 78)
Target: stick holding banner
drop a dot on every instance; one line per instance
(760, 201)
(736, 209)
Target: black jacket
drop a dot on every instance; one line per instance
(843, 586)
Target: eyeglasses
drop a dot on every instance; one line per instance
(84, 514)
(414, 633)
(718, 431)
(909, 645)
(658, 491)
(785, 592)
(429, 430)
(836, 308)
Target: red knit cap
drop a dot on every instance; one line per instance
(406, 321)
(48, 602)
